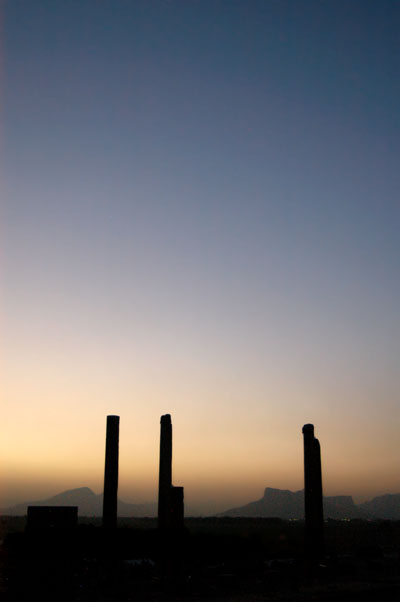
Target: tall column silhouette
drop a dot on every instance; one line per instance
(165, 475)
(313, 503)
(110, 497)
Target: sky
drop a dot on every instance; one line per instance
(200, 217)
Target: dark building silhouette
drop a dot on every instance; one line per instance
(110, 497)
(177, 508)
(313, 504)
(170, 498)
(52, 517)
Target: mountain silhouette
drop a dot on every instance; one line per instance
(384, 506)
(275, 502)
(290, 505)
(89, 504)
(280, 503)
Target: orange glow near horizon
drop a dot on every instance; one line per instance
(222, 458)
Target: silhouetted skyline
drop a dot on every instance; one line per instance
(200, 216)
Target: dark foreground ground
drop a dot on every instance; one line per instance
(213, 559)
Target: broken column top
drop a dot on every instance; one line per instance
(166, 419)
(308, 429)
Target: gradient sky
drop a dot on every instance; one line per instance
(200, 216)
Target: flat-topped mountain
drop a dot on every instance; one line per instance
(290, 505)
(280, 503)
(385, 506)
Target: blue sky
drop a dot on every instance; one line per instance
(205, 192)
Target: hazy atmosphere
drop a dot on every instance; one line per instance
(200, 216)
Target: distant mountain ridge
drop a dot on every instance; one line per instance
(89, 504)
(385, 506)
(280, 503)
(290, 505)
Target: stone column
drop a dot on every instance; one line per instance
(165, 474)
(110, 497)
(313, 502)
